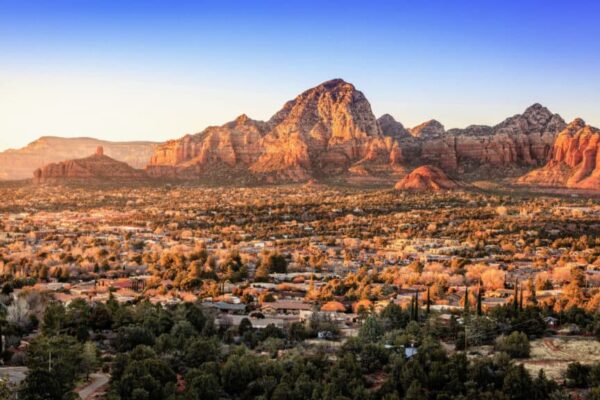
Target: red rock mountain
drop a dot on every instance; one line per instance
(427, 178)
(575, 161)
(20, 163)
(323, 131)
(97, 167)
(331, 130)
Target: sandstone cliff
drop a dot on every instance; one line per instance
(96, 168)
(575, 161)
(518, 143)
(20, 163)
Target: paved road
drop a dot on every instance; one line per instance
(98, 380)
(15, 374)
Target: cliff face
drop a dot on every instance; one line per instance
(575, 161)
(522, 141)
(20, 163)
(97, 167)
(427, 178)
(236, 144)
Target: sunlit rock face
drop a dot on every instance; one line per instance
(330, 130)
(575, 160)
(427, 178)
(322, 131)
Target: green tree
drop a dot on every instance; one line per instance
(515, 345)
(371, 329)
(59, 356)
(54, 319)
(89, 358)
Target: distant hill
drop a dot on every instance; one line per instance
(427, 178)
(20, 163)
(95, 168)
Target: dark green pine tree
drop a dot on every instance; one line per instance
(428, 300)
(516, 296)
(479, 300)
(467, 305)
(417, 306)
(411, 310)
(532, 294)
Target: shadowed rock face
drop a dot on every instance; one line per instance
(20, 163)
(330, 130)
(427, 178)
(95, 168)
(390, 127)
(575, 161)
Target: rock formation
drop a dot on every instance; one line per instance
(427, 178)
(390, 127)
(428, 130)
(575, 161)
(97, 168)
(323, 131)
(20, 163)
(330, 130)
(519, 143)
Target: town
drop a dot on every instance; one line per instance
(316, 263)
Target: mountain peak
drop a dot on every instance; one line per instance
(537, 109)
(390, 127)
(428, 129)
(335, 82)
(577, 123)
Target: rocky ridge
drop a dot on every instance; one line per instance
(330, 130)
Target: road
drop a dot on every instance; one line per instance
(15, 374)
(98, 380)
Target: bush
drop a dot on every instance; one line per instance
(515, 345)
(578, 375)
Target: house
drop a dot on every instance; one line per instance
(285, 307)
(224, 307)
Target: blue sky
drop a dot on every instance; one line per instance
(133, 70)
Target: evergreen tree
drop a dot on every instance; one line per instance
(532, 294)
(417, 306)
(467, 305)
(516, 296)
(479, 300)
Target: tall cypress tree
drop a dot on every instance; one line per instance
(417, 306)
(467, 305)
(479, 300)
(428, 300)
(532, 294)
(516, 296)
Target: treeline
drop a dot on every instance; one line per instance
(179, 353)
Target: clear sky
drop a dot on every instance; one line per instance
(155, 70)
